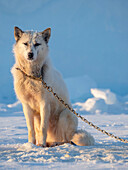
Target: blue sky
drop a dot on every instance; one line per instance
(88, 38)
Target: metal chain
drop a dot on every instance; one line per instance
(50, 89)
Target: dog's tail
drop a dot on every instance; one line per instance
(83, 138)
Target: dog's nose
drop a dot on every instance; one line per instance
(30, 55)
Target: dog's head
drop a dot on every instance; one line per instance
(31, 45)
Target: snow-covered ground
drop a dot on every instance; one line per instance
(105, 109)
(89, 47)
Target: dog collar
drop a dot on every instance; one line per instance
(30, 76)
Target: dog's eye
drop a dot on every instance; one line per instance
(37, 44)
(26, 44)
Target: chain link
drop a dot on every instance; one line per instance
(50, 90)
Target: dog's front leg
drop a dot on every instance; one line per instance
(44, 114)
(29, 115)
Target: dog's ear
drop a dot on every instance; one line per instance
(17, 33)
(46, 34)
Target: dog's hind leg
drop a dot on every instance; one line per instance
(67, 125)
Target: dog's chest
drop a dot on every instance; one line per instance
(30, 92)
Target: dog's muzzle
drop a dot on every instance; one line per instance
(30, 56)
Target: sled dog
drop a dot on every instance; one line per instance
(49, 123)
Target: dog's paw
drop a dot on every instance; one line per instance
(41, 145)
(53, 144)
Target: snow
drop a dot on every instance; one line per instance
(106, 95)
(103, 102)
(17, 153)
(89, 47)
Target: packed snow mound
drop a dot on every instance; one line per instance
(103, 102)
(105, 94)
(14, 104)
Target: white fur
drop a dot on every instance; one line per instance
(48, 121)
